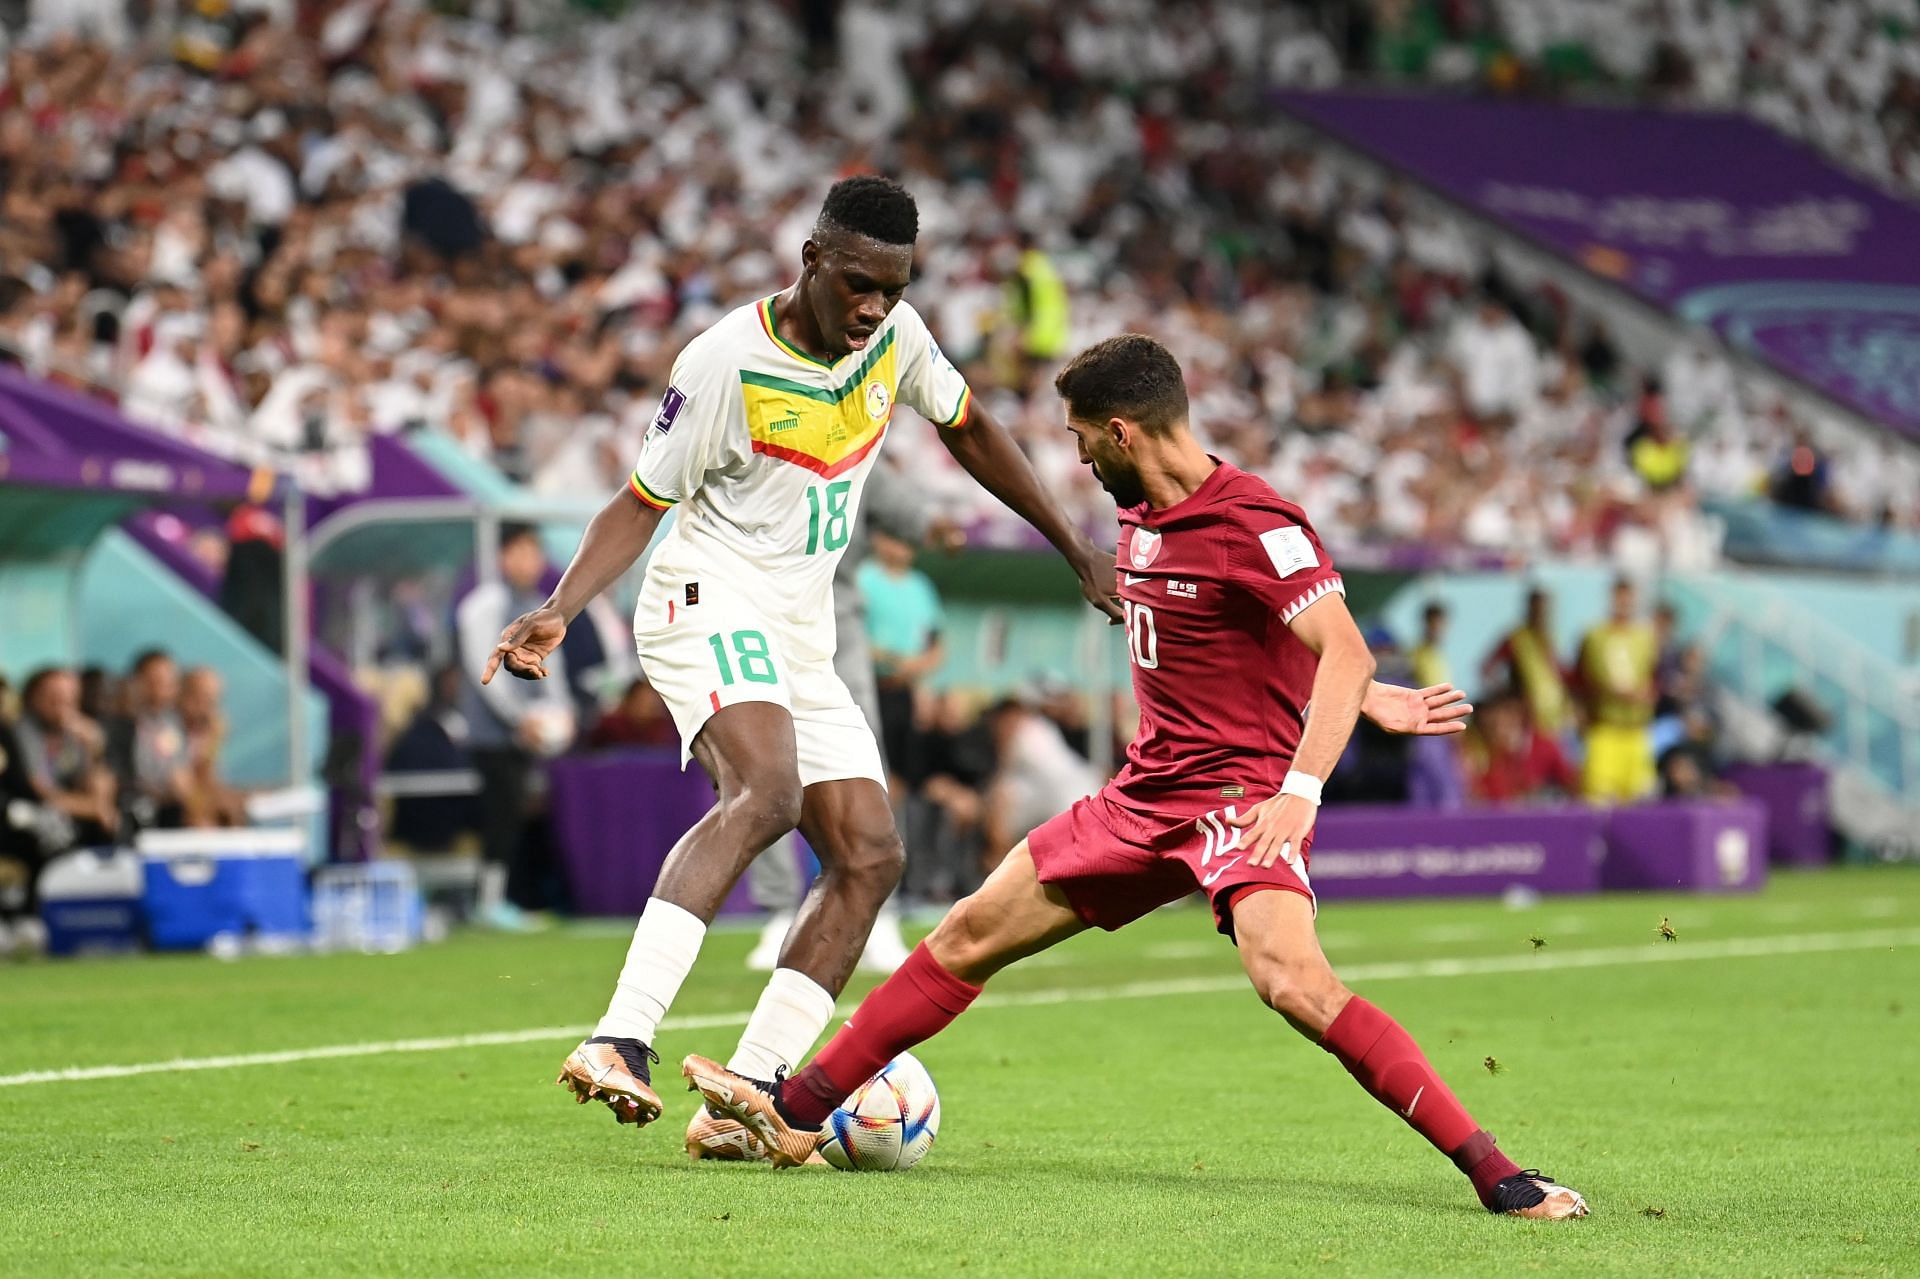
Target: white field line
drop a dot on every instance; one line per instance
(1544, 961)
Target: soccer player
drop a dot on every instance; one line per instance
(1235, 620)
(764, 437)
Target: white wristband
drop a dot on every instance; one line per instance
(1305, 785)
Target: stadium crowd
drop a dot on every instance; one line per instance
(278, 235)
(278, 230)
(89, 757)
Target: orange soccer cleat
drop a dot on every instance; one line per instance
(718, 1136)
(615, 1071)
(755, 1104)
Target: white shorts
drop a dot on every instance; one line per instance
(721, 652)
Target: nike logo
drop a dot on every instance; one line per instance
(1408, 1112)
(1135, 581)
(1208, 880)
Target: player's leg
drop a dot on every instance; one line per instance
(775, 886)
(748, 751)
(849, 824)
(1013, 915)
(1281, 953)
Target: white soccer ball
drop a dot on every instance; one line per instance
(889, 1122)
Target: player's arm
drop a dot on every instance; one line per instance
(1341, 681)
(989, 454)
(698, 422)
(615, 538)
(1435, 711)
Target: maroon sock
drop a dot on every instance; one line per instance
(1389, 1065)
(913, 1005)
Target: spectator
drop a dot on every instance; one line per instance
(63, 754)
(1037, 775)
(1510, 761)
(639, 718)
(102, 697)
(510, 723)
(434, 741)
(1658, 455)
(20, 849)
(149, 747)
(947, 817)
(1499, 367)
(215, 802)
(1524, 662)
(903, 624)
(1428, 661)
(1615, 675)
(1803, 479)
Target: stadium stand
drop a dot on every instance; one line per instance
(278, 239)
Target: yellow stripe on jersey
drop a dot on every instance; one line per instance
(828, 430)
(645, 494)
(961, 411)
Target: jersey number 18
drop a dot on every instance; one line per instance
(836, 513)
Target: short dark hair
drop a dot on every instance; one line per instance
(31, 689)
(512, 531)
(148, 657)
(1129, 376)
(870, 205)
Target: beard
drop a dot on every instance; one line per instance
(1124, 487)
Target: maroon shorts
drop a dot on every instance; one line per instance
(1116, 863)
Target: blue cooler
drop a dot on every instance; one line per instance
(203, 884)
(90, 901)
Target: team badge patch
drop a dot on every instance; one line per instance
(879, 400)
(1144, 548)
(693, 594)
(670, 405)
(1289, 550)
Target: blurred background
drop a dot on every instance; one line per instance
(1586, 331)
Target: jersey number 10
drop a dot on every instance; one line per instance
(1143, 642)
(836, 512)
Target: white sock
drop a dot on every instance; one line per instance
(792, 1012)
(665, 943)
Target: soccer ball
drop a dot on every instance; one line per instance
(889, 1122)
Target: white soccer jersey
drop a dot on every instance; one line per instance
(765, 450)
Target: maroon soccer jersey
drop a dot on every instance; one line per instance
(1209, 585)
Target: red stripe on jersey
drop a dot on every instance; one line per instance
(714, 697)
(827, 470)
(669, 612)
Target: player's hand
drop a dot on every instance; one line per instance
(526, 644)
(1099, 585)
(1435, 711)
(1279, 829)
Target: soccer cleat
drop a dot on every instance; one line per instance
(614, 1071)
(711, 1136)
(754, 1103)
(1531, 1193)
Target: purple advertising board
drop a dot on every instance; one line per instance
(1700, 846)
(1799, 821)
(1713, 217)
(1363, 851)
(51, 437)
(616, 817)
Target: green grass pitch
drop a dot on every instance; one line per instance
(1739, 1100)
